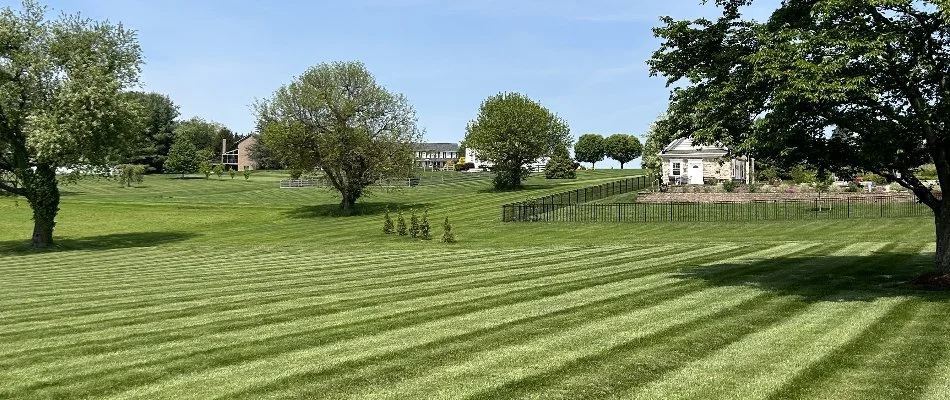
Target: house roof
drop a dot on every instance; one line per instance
(435, 147)
(685, 147)
(249, 136)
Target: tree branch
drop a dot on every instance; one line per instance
(12, 189)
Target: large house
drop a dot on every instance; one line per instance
(471, 156)
(435, 155)
(240, 157)
(687, 163)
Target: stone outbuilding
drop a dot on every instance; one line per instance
(687, 163)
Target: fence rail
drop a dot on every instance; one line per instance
(859, 207)
(557, 201)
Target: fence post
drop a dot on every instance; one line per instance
(671, 211)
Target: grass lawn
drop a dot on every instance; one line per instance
(217, 288)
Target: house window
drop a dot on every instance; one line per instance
(676, 169)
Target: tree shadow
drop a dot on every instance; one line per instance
(97, 243)
(827, 278)
(523, 188)
(360, 209)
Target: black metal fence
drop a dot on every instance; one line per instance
(786, 209)
(515, 211)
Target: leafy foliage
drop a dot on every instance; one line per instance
(182, 158)
(414, 225)
(337, 118)
(161, 116)
(247, 173)
(218, 170)
(388, 227)
(511, 130)
(424, 228)
(263, 156)
(401, 228)
(658, 137)
(130, 173)
(876, 74)
(448, 236)
(590, 148)
(801, 174)
(61, 103)
(204, 162)
(560, 166)
(623, 148)
(729, 186)
(232, 173)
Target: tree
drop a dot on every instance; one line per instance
(388, 227)
(61, 103)
(590, 148)
(182, 158)
(337, 118)
(560, 166)
(448, 236)
(205, 166)
(160, 115)
(401, 228)
(203, 135)
(131, 173)
(424, 228)
(263, 157)
(413, 224)
(623, 148)
(658, 137)
(511, 131)
(875, 74)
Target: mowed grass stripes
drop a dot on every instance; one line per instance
(749, 320)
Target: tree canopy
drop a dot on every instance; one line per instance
(337, 118)
(61, 102)
(161, 115)
(511, 131)
(657, 138)
(590, 148)
(623, 148)
(844, 85)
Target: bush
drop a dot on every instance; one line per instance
(800, 175)
(447, 235)
(401, 225)
(424, 229)
(414, 225)
(247, 172)
(296, 173)
(232, 173)
(729, 186)
(388, 224)
(877, 179)
(853, 187)
(753, 188)
(218, 170)
(131, 173)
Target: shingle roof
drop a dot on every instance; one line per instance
(435, 147)
(685, 146)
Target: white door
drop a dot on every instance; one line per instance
(695, 172)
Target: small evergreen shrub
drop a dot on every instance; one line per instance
(424, 228)
(388, 227)
(729, 186)
(414, 225)
(448, 236)
(401, 225)
(247, 173)
(560, 166)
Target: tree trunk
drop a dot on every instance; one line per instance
(621, 165)
(942, 222)
(43, 195)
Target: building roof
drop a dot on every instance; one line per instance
(249, 136)
(685, 147)
(435, 147)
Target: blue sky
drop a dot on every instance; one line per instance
(583, 59)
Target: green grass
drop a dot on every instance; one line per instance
(202, 289)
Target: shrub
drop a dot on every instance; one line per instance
(205, 168)
(464, 166)
(130, 173)
(447, 235)
(729, 186)
(232, 173)
(388, 224)
(414, 225)
(770, 175)
(896, 188)
(424, 229)
(800, 175)
(218, 170)
(247, 172)
(877, 179)
(753, 188)
(296, 173)
(401, 225)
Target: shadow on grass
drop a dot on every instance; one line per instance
(373, 208)
(523, 188)
(827, 278)
(102, 242)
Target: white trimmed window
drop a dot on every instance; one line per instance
(677, 168)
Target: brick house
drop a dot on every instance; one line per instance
(240, 157)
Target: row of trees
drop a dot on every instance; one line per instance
(593, 148)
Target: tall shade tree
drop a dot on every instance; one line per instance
(61, 102)
(161, 116)
(337, 118)
(845, 85)
(590, 148)
(204, 135)
(511, 131)
(623, 148)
